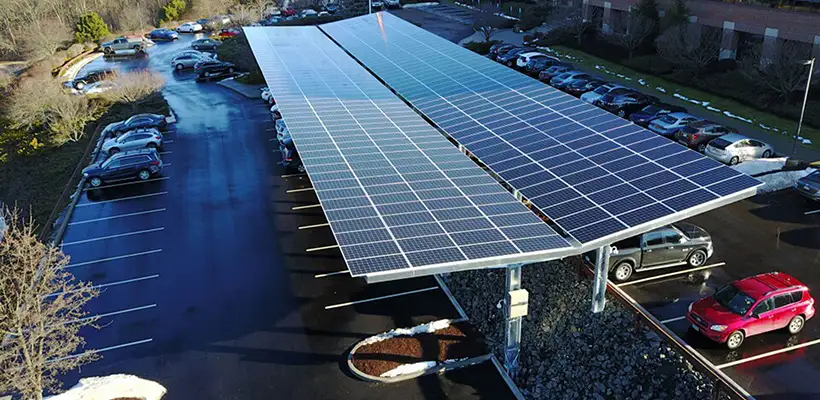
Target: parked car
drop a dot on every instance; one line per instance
(138, 121)
(591, 97)
(98, 87)
(135, 164)
(308, 12)
(653, 111)
(524, 58)
(205, 44)
(538, 64)
(332, 8)
(222, 19)
(580, 86)
(392, 4)
(274, 112)
(132, 140)
(670, 123)
(509, 56)
(266, 96)
(190, 27)
(751, 306)
(698, 134)
(809, 186)
(188, 60)
(625, 104)
(163, 34)
(226, 33)
(89, 77)
(282, 132)
(203, 21)
(556, 69)
(498, 48)
(212, 68)
(289, 12)
(122, 43)
(290, 157)
(560, 81)
(377, 4)
(733, 148)
(669, 246)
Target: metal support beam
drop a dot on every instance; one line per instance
(512, 344)
(599, 281)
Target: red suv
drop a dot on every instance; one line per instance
(751, 306)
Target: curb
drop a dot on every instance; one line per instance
(71, 72)
(240, 89)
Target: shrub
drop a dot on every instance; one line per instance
(237, 50)
(651, 64)
(134, 87)
(173, 10)
(533, 18)
(481, 47)
(91, 28)
(74, 50)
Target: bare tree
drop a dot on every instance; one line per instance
(68, 116)
(782, 70)
(210, 8)
(575, 18)
(636, 29)
(134, 87)
(246, 14)
(41, 314)
(689, 47)
(31, 100)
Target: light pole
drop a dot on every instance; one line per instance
(810, 63)
(370, 6)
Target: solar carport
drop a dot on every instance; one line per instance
(402, 200)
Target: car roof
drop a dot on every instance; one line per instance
(702, 123)
(530, 54)
(734, 137)
(759, 285)
(680, 115)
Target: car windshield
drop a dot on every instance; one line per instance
(720, 143)
(730, 297)
(602, 89)
(669, 119)
(651, 109)
(813, 177)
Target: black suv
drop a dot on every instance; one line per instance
(673, 245)
(213, 68)
(90, 77)
(136, 164)
(625, 104)
(698, 134)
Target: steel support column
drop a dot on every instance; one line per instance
(512, 344)
(599, 281)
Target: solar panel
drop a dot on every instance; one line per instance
(597, 176)
(400, 199)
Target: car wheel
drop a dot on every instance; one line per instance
(622, 113)
(301, 168)
(734, 160)
(178, 67)
(702, 147)
(107, 50)
(95, 181)
(623, 271)
(80, 85)
(796, 324)
(767, 154)
(151, 145)
(697, 258)
(735, 340)
(230, 70)
(509, 64)
(144, 174)
(113, 151)
(196, 47)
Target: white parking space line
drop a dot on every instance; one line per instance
(671, 274)
(117, 283)
(310, 189)
(313, 226)
(312, 249)
(666, 321)
(330, 274)
(350, 303)
(166, 165)
(102, 260)
(305, 207)
(119, 346)
(162, 153)
(122, 199)
(270, 129)
(168, 141)
(293, 175)
(162, 178)
(130, 310)
(88, 221)
(114, 236)
(811, 212)
(769, 354)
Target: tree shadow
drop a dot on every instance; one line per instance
(805, 237)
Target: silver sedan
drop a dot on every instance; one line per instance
(188, 59)
(137, 139)
(733, 148)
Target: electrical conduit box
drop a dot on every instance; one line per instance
(517, 302)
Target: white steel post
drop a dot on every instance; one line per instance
(599, 281)
(512, 344)
(803, 110)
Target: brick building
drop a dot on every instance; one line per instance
(741, 24)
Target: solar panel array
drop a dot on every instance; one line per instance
(597, 176)
(400, 199)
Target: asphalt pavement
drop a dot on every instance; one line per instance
(206, 284)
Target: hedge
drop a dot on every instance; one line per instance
(481, 47)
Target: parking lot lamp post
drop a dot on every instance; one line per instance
(370, 6)
(810, 63)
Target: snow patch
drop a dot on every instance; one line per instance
(405, 369)
(642, 82)
(710, 108)
(730, 115)
(418, 5)
(806, 141)
(113, 387)
(774, 181)
(660, 89)
(429, 327)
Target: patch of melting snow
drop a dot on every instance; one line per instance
(642, 82)
(660, 89)
(764, 127)
(417, 5)
(774, 181)
(710, 108)
(405, 369)
(117, 386)
(429, 327)
(735, 116)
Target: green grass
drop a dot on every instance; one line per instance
(716, 101)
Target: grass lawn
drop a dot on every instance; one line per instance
(745, 111)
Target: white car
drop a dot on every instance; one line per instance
(733, 148)
(266, 94)
(323, 14)
(596, 94)
(307, 13)
(274, 113)
(190, 27)
(524, 58)
(136, 139)
(281, 130)
(376, 4)
(98, 87)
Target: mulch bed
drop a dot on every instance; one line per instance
(457, 341)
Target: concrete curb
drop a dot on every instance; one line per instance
(249, 91)
(71, 72)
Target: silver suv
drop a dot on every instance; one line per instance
(136, 139)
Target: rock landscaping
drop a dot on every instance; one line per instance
(569, 353)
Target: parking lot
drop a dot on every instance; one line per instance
(206, 283)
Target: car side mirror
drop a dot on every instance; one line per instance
(756, 315)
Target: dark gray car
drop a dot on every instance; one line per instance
(669, 246)
(809, 186)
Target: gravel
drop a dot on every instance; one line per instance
(569, 353)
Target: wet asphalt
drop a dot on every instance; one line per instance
(206, 285)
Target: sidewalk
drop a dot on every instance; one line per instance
(249, 91)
